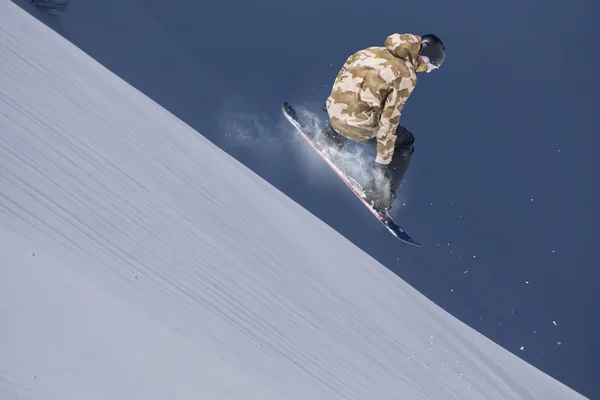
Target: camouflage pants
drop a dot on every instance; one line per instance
(403, 151)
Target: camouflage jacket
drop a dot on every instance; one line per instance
(370, 90)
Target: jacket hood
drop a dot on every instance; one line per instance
(405, 45)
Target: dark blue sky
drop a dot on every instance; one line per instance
(504, 185)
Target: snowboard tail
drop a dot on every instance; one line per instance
(353, 185)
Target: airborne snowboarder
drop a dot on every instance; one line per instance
(366, 100)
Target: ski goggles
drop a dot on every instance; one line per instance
(425, 65)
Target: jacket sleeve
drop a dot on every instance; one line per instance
(390, 119)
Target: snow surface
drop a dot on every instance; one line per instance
(139, 261)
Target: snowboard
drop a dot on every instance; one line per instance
(387, 221)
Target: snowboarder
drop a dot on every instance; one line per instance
(366, 100)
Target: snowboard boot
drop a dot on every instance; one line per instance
(378, 192)
(381, 191)
(330, 141)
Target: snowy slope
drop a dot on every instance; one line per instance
(138, 261)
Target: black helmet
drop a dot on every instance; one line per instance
(433, 48)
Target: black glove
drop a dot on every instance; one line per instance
(378, 193)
